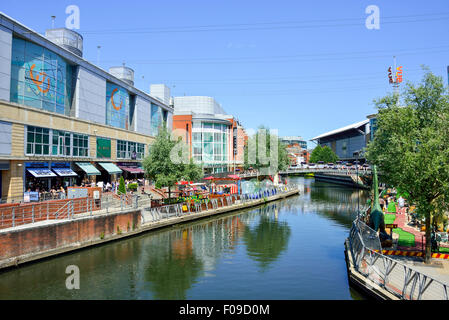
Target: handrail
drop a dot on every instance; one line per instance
(392, 275)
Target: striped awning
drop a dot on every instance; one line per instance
(89, 169)
(41, 173)
(110, 167)
(132, 169)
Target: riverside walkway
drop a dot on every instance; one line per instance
(392, 277)
(147, 219)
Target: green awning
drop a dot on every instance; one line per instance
(88, 168)
(110, 167)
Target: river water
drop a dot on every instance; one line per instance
(288, 249)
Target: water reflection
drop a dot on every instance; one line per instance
(172, 266)
(268, 239)
(269, 252)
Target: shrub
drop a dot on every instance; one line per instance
(121, 186)
(132, 186)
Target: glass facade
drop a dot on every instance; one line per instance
(40, 78)
(46, 142)
(156, 119)
(209, 143)
(117, 106)
(130, 150)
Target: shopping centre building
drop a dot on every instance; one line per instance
(216, 139)
(64, 120)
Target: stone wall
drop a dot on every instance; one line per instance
(24, 243)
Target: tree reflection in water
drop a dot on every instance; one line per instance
(265, 242)
(173, 268)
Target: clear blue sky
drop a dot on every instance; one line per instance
(302, 67)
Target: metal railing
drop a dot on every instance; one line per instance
(15, 214)
(181, 209)
(391, 274)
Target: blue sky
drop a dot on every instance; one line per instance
(302, 67)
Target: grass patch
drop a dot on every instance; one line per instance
(391, 207)
(444, 250)
(406, 239)
(389, 218)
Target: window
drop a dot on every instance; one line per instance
(117, 106)
(80, 145)
(121, 149)
(40, 78)
(38, 141)
(42, 141)
(130, 150)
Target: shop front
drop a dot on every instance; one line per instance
(38, 176)
(87, 173)
(109, 172)
(66, 177)
(131, 170)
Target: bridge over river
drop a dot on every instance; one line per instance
(351, 177)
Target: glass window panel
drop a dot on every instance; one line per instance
(30, 136)
(208, 137)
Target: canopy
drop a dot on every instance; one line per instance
(65, 172)
(110, 167)
(209, 178)
(184, 182)
(89, 169)
(132, 169)
(234, 177)
(41, 173)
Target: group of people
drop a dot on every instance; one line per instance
(55, 192)
(390, 197)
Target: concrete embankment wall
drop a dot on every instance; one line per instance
(49, 238)
(343, 180)
(53, 237)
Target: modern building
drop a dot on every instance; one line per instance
(297, 150)
(294, 140)
(216, 139)
(64, 120)
(347, 142)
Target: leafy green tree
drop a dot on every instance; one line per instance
(324, 154)
(121, 186)
(160, 167)
(261, 156)
(192, 171)
(411, 146)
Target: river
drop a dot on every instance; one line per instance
(288, 249)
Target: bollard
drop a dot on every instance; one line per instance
(13, 216)
(32, 214)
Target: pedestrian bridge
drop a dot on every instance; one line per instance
(351, 177)
(339, 172)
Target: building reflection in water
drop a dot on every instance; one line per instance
(179, 258)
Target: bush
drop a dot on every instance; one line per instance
(121, 186)
(132, 186)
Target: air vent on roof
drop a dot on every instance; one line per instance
(66, 38)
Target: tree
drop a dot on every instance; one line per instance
(324, 154)
(261, 157)
(159, 166)
(121, 186)
(192, 171)
(411, 146)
